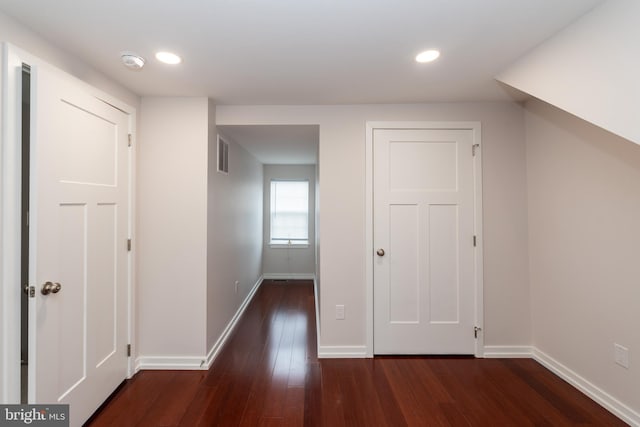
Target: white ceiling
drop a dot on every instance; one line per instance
(303, 51)
(277, 144)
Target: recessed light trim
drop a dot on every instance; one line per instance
(427, 56)
(168, 58)
(132, 60)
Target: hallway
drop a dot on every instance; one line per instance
(268, 374)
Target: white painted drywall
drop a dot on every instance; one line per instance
(584, 206)
(342, 208)
(172, 224)
(589, 69)
(18, 35)
(234, 232)
(199, 231)
(289, 262)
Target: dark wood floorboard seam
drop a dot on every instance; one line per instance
(269, 374)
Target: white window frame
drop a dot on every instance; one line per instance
(287, 243)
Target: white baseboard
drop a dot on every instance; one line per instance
(288, 276)
(600, 396)
(170, 363)
(342, 352)
(609, 402)
(334, 352)
(317, 310)
(508, 352)
(215, 349)
(197, 362)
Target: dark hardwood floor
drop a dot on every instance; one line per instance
(268, 374)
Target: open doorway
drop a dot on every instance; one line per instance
(289, 155)
(24, 233)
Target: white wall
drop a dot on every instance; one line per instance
(342, 213)
(199, 232)
(289, 262)
(234, 233)
(589, 69)
(172, 224)
(584, 206)
(24, 38)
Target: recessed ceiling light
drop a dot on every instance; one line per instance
(132, 60)
(428, 56)
(168, 58)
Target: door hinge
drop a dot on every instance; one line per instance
(473, 149)
(129, 141)
(475, 241)
(128, 350)
(128, 245)
(476, 329)
(30, 291)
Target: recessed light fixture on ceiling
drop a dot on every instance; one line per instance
(168, 58)
(427, 56)
(132, 61)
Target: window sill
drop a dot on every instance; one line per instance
(292, 245)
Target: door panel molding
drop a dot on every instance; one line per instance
(74, 241)
(475, 128)
(10, 144)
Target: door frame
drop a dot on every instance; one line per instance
(10, 196)
(476, 128)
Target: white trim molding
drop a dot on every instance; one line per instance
(600, 396)
(288, 276)
(583, 385)
(508, 352)
(219, 344)
(316, 295)
(198, 362)
(177, 363)
(342, 352)
(10, 219)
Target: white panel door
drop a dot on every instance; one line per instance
(423, 238)
(79, 229)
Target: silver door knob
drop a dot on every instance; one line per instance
(380, 252)
(50, 288)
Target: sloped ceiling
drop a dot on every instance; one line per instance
(591, 69)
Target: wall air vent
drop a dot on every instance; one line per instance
(223, 155)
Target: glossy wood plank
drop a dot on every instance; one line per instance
(268, 374)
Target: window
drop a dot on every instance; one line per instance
(289, 212)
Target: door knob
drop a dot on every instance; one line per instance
(50, 288)
(380, 252)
